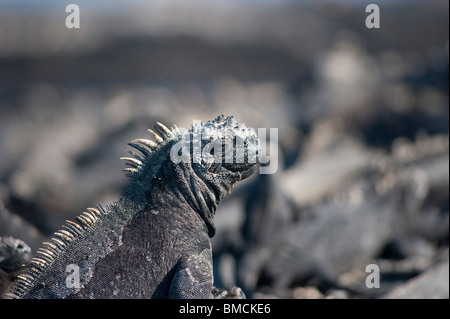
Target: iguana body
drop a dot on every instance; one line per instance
(154, 242)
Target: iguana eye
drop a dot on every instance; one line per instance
(215, 168)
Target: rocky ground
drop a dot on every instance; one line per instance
(363, 134)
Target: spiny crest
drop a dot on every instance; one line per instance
(219, 128)
(52, 249)
(147, 147)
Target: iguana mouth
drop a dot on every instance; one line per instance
(245, 170)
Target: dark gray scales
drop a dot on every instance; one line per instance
(154, 242)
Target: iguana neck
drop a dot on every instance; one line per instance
(179, 188)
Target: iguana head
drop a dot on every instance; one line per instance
(13, 253)
(222, 148)
(201, 164)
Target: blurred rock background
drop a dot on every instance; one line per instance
(362, 114)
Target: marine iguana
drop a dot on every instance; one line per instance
(14, 254)
(154, 242)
